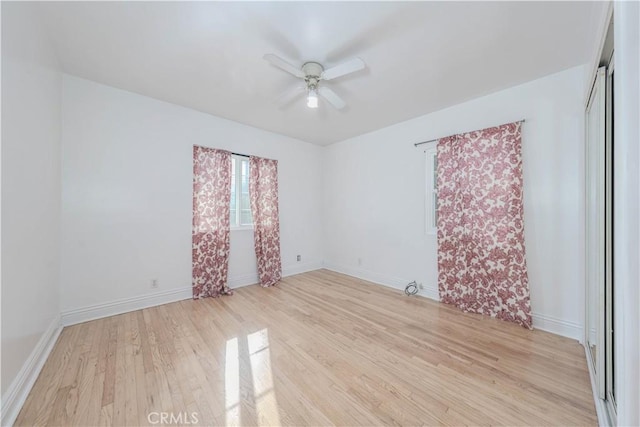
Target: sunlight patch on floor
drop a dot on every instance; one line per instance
(232, 383)
(263, 387)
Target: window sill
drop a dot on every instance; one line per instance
(243, 228)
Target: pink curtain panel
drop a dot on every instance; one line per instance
(211, 223)
(481, 254)
(263, 192)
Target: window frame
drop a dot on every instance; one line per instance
(431, 191)
(237, 225)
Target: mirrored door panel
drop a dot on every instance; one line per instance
(595, 227)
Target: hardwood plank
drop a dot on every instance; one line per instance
(108, 362)
(320, 348)
(37, 406)
(89, 393)
(120, 375)
(66, 400)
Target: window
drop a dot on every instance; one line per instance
(240, 205)
(431, 195)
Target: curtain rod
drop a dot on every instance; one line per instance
(434, 140)
(241, 155)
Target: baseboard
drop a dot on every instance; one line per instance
(557, 326)
(430, 292)
(540, 321)
(300, 268)
(290, 270)
(17, 393)
(125, 305)
(242, 280)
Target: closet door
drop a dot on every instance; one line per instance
(609, 308)
(595, 228)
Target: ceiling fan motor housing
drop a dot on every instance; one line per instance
(312, 72)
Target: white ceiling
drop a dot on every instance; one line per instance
(420, 56)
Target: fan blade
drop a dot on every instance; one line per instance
(345, 68)
(288, 95)
(332, 97)
(276, 61)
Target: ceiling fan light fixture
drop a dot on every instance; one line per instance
(312, 98)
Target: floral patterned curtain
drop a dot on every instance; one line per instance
(481, 255)
(211, 223)
(263, 192)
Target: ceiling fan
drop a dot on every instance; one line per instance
(313, 73)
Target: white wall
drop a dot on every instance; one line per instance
(31, 84)
(127, 188)
(374, 189)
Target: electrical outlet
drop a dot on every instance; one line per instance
(298, 258)
(154, 283)
(359, 261)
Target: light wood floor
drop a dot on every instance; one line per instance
(320, 348)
